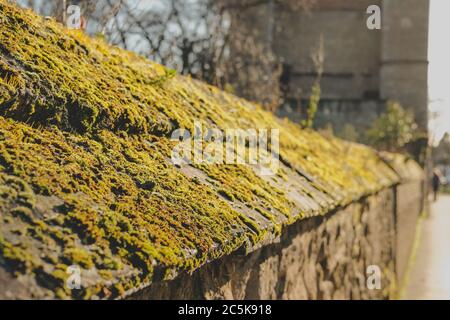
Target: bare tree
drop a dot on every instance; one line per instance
(209, 39)
(253, 70)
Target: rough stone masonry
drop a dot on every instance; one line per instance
(87, 184)
(321, 258)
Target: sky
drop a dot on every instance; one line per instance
(439, 68)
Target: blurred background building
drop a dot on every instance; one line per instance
(362, 68)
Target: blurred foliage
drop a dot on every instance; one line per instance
(212, 40)
(312, 106)
(318, 58)
(349, 133)
(393, 130)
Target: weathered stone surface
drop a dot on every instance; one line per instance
(319, 258)
(87, 181)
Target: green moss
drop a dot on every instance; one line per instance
(85, 165)
(81, 257)
(20, 259)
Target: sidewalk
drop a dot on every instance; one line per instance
(429, 276)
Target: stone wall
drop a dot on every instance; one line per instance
(93, 205)
(404, 55)
(360, 113)
(359, 64)
(408, 211)
(319, 258)
(351, 51)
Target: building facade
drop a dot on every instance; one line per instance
(362, 68)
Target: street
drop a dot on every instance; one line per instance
(429, 276)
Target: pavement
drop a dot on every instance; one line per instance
(429, 275)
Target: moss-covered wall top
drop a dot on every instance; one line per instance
(86, 177)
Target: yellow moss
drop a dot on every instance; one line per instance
(79, 257)
(85, 164)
